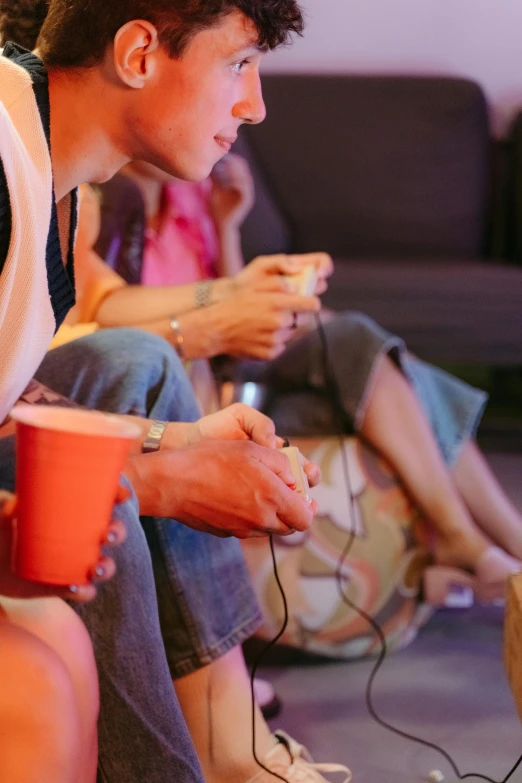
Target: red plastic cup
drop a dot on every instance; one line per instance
(68, 465)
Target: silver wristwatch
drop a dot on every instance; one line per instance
(154, 436)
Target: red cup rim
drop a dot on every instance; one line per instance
(75, 422)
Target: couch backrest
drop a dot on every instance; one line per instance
(267, 228)
(378, 166)
(514, 192)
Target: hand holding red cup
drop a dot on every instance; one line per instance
(68, 470)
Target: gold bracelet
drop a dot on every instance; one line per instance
(179, 340)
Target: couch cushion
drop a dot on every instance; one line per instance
(266, 229)
(371, 166)
(464, 311)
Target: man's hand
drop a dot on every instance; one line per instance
(265, 268)
(232, 193)
(241, 422)
(237, 422)
(227, 488)
(13, 586)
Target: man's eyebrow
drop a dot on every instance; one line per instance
(249, 45)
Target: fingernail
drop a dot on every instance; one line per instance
(100, 571)
(112, 538)
(74, 589)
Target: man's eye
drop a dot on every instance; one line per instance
(238, 67)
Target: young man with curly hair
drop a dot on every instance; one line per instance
(170, 83)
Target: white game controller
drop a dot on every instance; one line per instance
(302, 486)
(305, 281)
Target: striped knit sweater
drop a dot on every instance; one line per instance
(36, 289)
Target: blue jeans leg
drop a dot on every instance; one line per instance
(206, 603)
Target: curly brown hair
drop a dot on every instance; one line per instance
(76, 34)
(22, 20)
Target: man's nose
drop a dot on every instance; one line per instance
(251, 109)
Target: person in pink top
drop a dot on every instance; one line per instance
(420, 418)
(196, 222)
(184, 229)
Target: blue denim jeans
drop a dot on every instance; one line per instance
(162, 616)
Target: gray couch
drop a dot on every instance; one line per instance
(395, 176)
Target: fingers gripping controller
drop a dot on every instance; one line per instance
(305, 281)
(297, 467)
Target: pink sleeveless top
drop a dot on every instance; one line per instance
(185, 248)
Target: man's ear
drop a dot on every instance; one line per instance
(134, 47)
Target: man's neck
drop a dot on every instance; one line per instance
(151, 191)
(83, 149)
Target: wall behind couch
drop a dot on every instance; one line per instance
(481, 39)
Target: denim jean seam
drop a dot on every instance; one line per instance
(240, 634)
(202, 653)
(178, 593)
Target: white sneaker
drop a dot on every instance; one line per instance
(301, 769)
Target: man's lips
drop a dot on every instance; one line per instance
(225, 141)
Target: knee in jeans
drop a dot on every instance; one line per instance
(131, 348)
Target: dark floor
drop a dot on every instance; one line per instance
(449, 687)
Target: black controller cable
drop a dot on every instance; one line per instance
(340, 420)
(260, 658)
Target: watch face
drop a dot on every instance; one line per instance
(153, 439)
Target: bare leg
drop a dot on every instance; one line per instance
(48, 695)
(396, 426)
(217, 706)
(486, 500)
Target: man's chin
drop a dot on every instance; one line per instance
(203, 171)
(189, 169)
(195, 173)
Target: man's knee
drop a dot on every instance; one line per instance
(118, 371)
(122, 348)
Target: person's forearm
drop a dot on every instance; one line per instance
(200, 334)
(231, 260)
(135, 304)
(176, 435)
